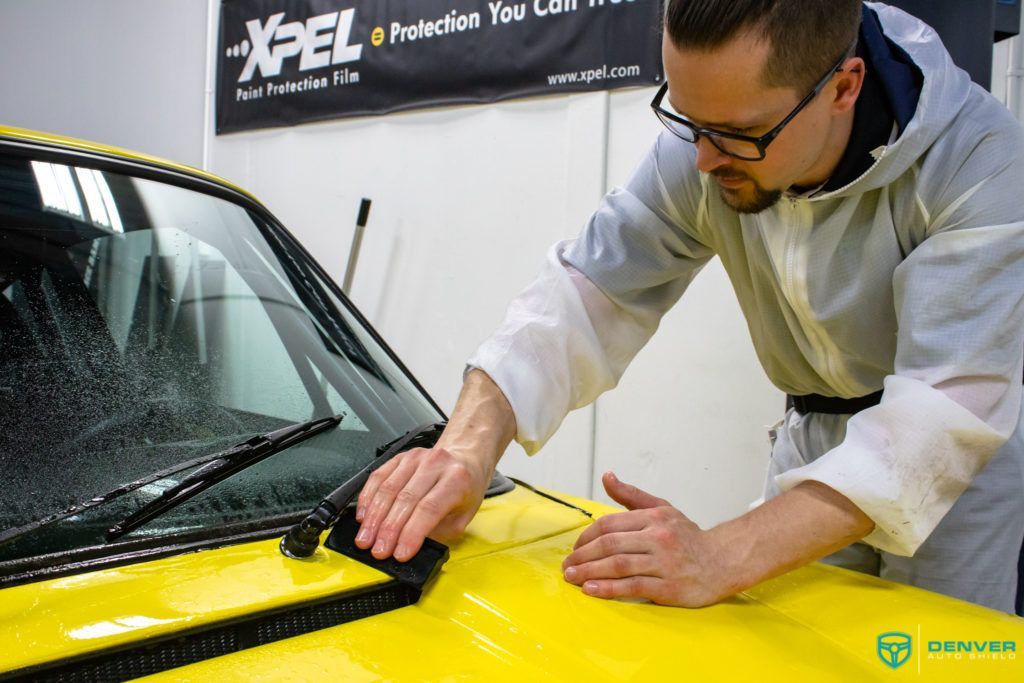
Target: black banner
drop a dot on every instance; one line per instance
(283, 62)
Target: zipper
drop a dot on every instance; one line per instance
(794, 285)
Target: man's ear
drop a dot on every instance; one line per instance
(848, 85)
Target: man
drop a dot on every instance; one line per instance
(863, 197)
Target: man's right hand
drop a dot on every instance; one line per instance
(418, 493)
(435, 492)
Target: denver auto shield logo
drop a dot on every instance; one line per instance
(894, 648)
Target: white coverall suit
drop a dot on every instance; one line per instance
(909, 279)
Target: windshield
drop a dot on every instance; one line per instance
(143, 324)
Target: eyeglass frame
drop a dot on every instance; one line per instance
(761, 142)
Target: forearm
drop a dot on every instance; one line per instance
(482, 423)
(799, 526)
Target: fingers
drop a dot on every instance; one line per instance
(373, 483)
(411, 496)
(613, 567)
(608, 545)
(403, 505)
(630, 587)
(383, 497)
(617, 565)
(610, 524)
(431, 498)
(629, 496)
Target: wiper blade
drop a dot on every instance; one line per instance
(102, 499)
(227, 464)
(303, 538)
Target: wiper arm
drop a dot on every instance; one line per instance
(227, 464)
(303, 538)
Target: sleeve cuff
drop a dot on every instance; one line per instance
(904, 462)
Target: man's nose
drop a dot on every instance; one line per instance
(709, 157)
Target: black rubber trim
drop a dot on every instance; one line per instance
(567, 504)
(145, 658)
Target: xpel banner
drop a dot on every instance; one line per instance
(283, 62)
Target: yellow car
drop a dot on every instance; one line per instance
(181, 386)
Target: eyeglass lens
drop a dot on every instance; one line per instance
(738, 148)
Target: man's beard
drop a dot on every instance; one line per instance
(761, 199)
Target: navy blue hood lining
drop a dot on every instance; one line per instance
(900, 78)
(890, 93)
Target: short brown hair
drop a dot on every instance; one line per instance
(806, 37)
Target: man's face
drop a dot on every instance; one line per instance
(723, 90)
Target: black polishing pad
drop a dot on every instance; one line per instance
(417, 572)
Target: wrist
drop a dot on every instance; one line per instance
(481, 426)
(795, 528)
(734, 561)
(476, 446)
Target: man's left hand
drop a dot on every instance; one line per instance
(652, 551)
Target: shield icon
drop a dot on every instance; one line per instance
(894, 648)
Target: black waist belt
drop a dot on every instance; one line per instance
(833, 405)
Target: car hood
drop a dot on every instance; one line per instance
(113, 608)
(499, 610)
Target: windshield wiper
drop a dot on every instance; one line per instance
(285, 437)
(230, 462)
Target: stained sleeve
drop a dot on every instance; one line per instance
(954, 396)
(570, 334)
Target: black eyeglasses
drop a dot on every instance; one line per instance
(742, 147)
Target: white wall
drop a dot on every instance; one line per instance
(128, 73)
(466, 200)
